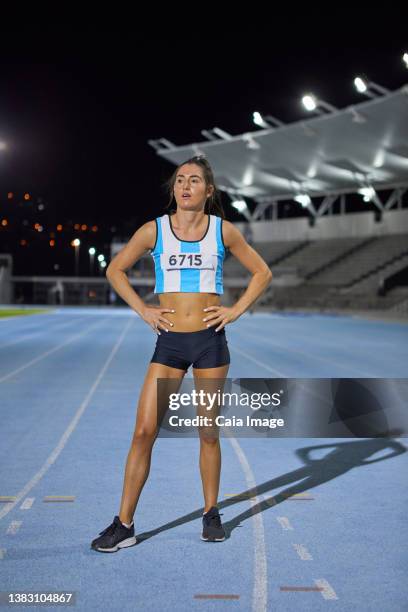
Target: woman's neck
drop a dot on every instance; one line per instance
(189, 219)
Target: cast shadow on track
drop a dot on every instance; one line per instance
(344, 457)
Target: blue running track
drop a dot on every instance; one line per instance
(324, 529)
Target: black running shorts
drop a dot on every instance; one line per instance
(205, 348)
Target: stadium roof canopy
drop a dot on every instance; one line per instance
(340, 152)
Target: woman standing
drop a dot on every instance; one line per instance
(188, 248)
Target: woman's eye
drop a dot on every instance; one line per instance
(179, 181)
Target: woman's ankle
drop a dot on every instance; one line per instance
(127, 523)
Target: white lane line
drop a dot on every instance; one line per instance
(303, 553)
(284, 523)
(280, 374)
(53, 350)
(65, 436)
(27, 503)
(304, 354)
(260, 591)
(260, 363)
(45, 330)
(327, 590)
(13, 527)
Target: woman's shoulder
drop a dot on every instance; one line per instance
(151, 229)
(147, 232)
(230, 233)
(227, 227)
(153, 223)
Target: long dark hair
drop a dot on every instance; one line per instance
(213, 204)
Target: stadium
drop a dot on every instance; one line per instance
(313, 500)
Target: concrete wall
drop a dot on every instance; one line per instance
(332, 226)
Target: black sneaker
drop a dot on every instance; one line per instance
(213, 531)
(114, 537)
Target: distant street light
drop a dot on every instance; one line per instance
(76, 243)
(91, 252)
(101, 259)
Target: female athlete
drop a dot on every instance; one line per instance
(188, 249)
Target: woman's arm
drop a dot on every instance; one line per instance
(261, 277)
(142, 240)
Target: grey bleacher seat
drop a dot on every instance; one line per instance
(274, 251)
(372, 283)
(374, 254)
(270, 251)
(318, 253)
(232, 267)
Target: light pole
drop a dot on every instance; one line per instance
(91, 252)
(101, 259)
(76, 243)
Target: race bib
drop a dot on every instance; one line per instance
(190, 261)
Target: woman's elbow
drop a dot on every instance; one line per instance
(111, 271)
(266, 274)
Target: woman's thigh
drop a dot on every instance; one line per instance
(211, 381)
(149, 410)
(218, 373)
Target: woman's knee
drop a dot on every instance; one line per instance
(144, 436)
(209, 440)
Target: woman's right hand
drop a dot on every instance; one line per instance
(153, 316)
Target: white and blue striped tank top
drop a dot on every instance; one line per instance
(193, 266)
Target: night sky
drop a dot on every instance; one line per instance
(77, 110)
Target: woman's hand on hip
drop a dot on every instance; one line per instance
(153, 316)
(220, 315)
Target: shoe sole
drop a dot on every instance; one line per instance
(213, 539)
(124, 544)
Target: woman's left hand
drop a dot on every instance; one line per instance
(220, 315)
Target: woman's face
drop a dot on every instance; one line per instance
(190, 189)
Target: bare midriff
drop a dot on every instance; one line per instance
(189, 313)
